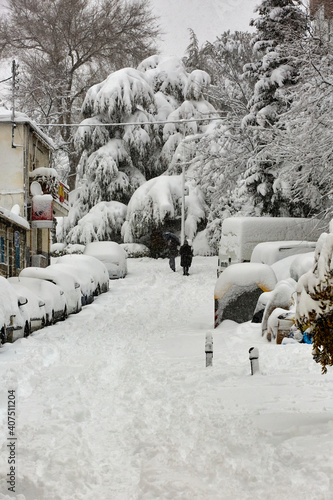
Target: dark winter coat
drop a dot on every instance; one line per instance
(186, 254)
(172, 248)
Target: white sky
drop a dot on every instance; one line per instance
(208, 19)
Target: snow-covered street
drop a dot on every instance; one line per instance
(116, 403)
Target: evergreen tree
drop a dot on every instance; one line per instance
(147, 106)
(304, 141)
(219, 157)
(281, 26)
(193, 59)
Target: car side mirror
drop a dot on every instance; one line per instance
(22, 301)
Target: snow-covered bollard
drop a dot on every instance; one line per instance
(209, 349)
(254, 360)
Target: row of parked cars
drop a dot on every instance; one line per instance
(40, 297)
(259, 272)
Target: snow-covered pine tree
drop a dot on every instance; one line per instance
(280, 26)
(179, 95)
(106, 169)
(224, 60)
(117, 159)
(193, 59)
(221, 154)
(303, 144)
(157, 204)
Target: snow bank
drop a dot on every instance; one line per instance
(116, 402)
(135, 250)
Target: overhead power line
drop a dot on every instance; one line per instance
(123, 124)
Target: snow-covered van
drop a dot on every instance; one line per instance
(241, 234)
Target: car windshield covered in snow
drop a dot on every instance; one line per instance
(111, 254)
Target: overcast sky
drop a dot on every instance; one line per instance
(207, 18)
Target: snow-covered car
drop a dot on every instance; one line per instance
(269, 252)
(12, 322)
(91, 268)
(280, 299)
(238, 288)
(84, 278)
(34, 309)
(60, 277)
(52, 296)
(111, 254)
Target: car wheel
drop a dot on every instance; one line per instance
(2, 335)
(65, 315)
(53, 318)
(43, 322)
(27, 329)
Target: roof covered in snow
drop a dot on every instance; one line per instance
(12, 216)
(6, 117)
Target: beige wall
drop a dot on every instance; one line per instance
(11, 171)
(16, 163)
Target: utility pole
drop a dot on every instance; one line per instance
(14, 75)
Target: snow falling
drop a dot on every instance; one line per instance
(116, 402)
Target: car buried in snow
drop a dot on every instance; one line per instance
(13, 324)
(111, 254)
(63, 279)
(34, 309)
(84, 278)
(52, 296)
(94, 274)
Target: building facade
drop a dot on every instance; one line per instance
(30, 190)
(321, 12)
(13, 243)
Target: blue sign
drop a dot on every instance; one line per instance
(17, 259)
(16, 239)
(2, 249)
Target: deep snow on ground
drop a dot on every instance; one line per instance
(116, 403)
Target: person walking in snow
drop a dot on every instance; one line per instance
(186, 254)
(172, 253)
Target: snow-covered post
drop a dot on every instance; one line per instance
(209, 349)
(254, 360)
